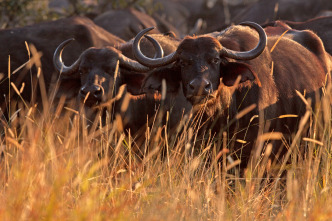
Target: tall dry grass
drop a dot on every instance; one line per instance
(55, 168)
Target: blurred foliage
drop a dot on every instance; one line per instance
(16, 13)
(80, 7)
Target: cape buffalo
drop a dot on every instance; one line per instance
(94, 71)
(45, 37)
(125, 23)
(320, 26)
(268, 10)
(270, 71)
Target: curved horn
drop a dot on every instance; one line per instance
(58, 63)
(157, 47)
(132, 64)
(150, 62)
(248, 55)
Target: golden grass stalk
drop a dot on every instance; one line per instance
(63, 169)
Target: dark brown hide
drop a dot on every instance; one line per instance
(269, 81)
(184, 14)
(268, 10)
(320, 26)
(125, 23)
(95, 74)
(46, 37)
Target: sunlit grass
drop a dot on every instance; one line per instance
(54, 167)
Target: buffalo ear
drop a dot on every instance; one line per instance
(153, 82)
(232, 70)
(133, 82)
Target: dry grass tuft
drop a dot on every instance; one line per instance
(55, 168)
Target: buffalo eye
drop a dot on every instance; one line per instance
(185, 63)
(82, 71)
(215, 60)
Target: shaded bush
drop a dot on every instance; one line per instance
(16, 13)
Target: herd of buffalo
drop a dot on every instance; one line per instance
(211, 58)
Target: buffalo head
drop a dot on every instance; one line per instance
(203, 63)
(96, 71)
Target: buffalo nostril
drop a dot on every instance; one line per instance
(191, 85)
(83, 92)
(98, 93)
(208, 86)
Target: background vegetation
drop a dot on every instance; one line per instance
(15, 13)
